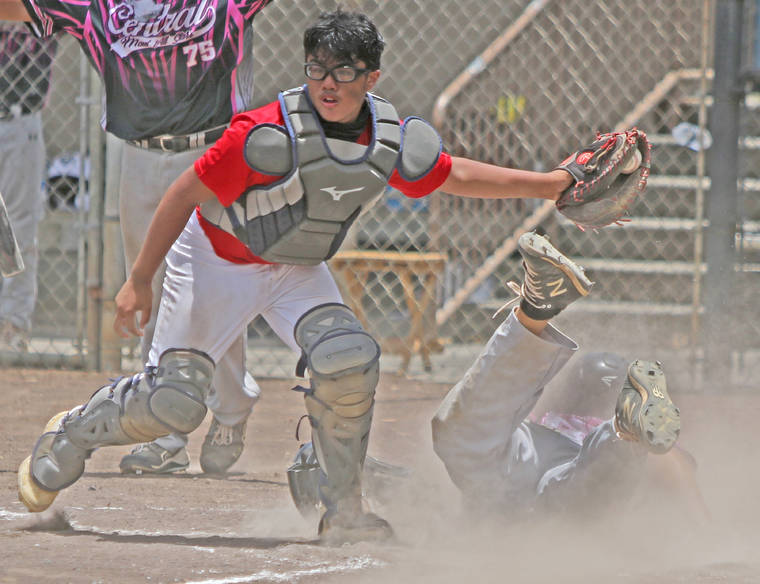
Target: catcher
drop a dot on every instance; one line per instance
(253, 221)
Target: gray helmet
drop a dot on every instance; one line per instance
(589, 385)
(602, 373)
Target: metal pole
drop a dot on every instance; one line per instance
(699, 212)
(721, 205)
(83, 213)
(95, 141)
(113, 261)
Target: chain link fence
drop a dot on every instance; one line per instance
(514, 83)
(29, 85)
(574, 69)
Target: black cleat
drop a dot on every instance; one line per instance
(644, 411)
(552, 281)
(339, 528)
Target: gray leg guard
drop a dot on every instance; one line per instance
(344, 370)
(169, 398)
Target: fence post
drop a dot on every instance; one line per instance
(94, 138)
(113, 263)
(721, 205)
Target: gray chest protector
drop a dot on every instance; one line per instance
(303, 217)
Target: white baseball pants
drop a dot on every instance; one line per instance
(141, 177)
(207, 303)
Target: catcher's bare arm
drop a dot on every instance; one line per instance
(170, 218)
(469, 178)
(13, 10)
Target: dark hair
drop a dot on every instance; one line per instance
(345, 36)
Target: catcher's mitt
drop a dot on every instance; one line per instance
(609, 174)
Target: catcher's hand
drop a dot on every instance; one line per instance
(609, 174)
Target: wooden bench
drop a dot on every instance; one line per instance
(354, 267)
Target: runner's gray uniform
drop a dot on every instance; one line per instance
(498, 458)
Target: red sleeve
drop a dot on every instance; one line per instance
(222, 167)
(428, 183)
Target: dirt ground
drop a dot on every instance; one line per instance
(243, 528)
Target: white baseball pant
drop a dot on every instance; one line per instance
(141, 177)
(208, 302)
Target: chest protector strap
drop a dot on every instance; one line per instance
(303, 217)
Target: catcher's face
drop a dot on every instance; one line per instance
(338, 101)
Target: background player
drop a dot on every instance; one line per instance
(500, 458)
(253, 221)
(25, 67)
(173, 74)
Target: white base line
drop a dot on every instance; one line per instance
(351, 565)
(9, 515)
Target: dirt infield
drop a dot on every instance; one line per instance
(243, 528)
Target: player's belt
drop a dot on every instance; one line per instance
(169, 143)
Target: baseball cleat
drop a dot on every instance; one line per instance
(34, 497)
(644, 411)
(552, 281)
(154, 459)
(339, 528)
(222, 446)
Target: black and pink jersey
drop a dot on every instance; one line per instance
(25, 67)
(169, 67)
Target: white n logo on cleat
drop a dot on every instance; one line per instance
(556, 288)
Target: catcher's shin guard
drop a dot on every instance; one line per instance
(343, 364)
(168, 398)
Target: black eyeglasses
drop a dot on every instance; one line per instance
(341, 73)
